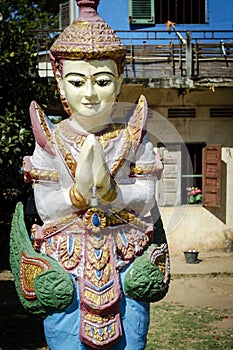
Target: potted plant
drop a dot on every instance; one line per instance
(194, 195)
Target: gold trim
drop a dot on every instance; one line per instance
(70, 260)
(44, 175)
(30, 268)
(150, 169)
(44, 125)
(76, 198)
(92, 326)
(123, 154)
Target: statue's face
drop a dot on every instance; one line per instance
(90, 89)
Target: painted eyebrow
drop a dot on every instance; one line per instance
(79, 74)
(108, 73)
(83, 75)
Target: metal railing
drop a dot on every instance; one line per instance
(159, 53)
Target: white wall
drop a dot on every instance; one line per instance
(204, 229)
(194, 226)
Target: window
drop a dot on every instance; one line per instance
(181, 112)
(141, 12)
(190, 165)
(64, 15)
(180, 11)
(168, 190)
(191, 168)
(221, 112)
(52, 6)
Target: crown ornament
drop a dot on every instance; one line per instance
(88, 37)
(87, 6)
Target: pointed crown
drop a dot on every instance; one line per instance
(88, 37)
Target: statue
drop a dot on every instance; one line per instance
(97, 262)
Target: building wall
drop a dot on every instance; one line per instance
(193, 226)
(199, 228)
(202, 128)
(219, 16)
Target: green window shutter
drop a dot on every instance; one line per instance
(64, 15)
(141, 11)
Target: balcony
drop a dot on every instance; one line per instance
(161, 59)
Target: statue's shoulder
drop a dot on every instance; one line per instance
(42, 128)
(137, 121)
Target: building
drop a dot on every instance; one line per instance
(180, 57)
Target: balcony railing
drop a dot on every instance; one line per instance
(158, 54)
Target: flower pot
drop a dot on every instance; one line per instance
(191, 256)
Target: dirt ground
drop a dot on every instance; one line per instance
(205, 291)
(21, 331)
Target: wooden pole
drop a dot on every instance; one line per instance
(189, 58)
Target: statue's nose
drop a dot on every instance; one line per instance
(90, 89)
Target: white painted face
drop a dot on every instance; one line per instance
(91, 89)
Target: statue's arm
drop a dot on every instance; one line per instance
(136, 181)
(52, 184)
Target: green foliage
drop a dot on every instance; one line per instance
(19, 28)
(20, 83)
(194, 195)
(15, 141)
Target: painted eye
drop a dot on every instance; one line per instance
(77, 83)
(103, 82)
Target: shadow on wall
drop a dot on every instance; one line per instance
(220, 212)
(228, 240)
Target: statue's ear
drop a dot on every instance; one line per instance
(60, 83)
(119, 83)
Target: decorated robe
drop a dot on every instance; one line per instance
(103, 244)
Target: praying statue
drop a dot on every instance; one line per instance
(100, 256)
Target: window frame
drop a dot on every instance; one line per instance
(211, 176)
(181, 11)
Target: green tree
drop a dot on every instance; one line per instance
(21, 25)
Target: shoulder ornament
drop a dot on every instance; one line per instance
(42, 128)
(137, 122)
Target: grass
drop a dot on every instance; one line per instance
(176, 327)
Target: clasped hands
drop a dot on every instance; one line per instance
(93, 181)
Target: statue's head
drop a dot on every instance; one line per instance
(87, 49)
